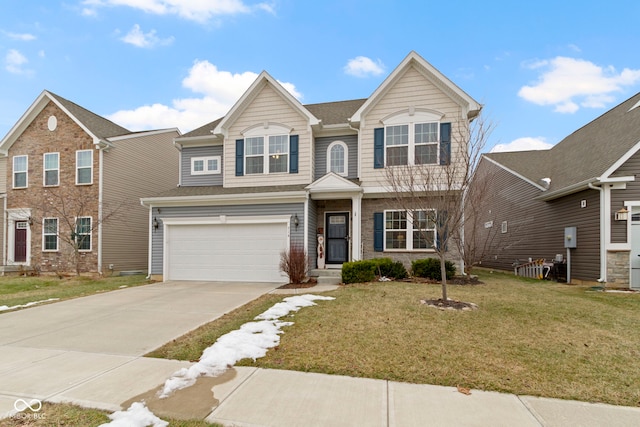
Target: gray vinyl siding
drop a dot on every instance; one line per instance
(297, 235)
(618, 197)
(321, 155)
(313, 236)
(142, 166)
(200, 180)
(535, 228)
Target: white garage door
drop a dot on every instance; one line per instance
(225, 252)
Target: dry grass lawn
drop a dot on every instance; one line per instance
(528, 337)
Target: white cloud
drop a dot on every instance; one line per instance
(25, 37)
(523, 144)
(569, 83)
(361, 66)
(15, 61)
(194, 10)
(138, 38)
(219, 90)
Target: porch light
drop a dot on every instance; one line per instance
(622, 214)
(296, 222)
(156, 224)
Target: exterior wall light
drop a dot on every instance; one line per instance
(296, 222)
(622, 215)
(156, 224)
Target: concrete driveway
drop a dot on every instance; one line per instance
(89, 350)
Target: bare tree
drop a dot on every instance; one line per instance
(433, 195)
(70, 216)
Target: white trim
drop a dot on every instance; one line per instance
(90, 233)
(44, 169)
(412, 114)
(349, 235)
(205, 166)
(408, 232)
(143, 134)
(84, 167)
(344, 146)
(57, 234)
(266, 128)
(266, 153)
(224, 219)
(514, 173)
(227, 199)
(13, 216)
(411, 139)
(25, 172)
(622, 160)
(100, 206)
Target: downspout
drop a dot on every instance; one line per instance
(603, 234)
(150, 242)
(100, 203)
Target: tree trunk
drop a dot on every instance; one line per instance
(443, 273)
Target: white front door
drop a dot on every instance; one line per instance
(635, 248)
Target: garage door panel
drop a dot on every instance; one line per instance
(230, 252)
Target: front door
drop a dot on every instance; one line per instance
(20, 242)
(337, 237)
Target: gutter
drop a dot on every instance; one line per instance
(603, 234)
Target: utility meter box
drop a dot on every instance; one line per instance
(570, 237)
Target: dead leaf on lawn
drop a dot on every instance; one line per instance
(464, 390)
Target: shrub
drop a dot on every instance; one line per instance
(430, 268)
(367, 270)
(358, 271)
(294, 263)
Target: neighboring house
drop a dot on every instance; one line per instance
(586, 181)
(71, 181)
(274, 173)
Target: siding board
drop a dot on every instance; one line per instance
(200, 180)
(321, 146)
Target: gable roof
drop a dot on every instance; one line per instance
(587, 155)
(262, 80)
(432, 74)
(94, 125)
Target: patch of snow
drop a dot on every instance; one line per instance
(384, 279)
(29, 304)
(138, 415)
(252, 340)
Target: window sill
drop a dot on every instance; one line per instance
(410, 251)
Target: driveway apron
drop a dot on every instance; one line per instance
(89, 350)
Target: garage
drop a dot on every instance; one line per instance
(226, 249)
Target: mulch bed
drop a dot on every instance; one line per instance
(449, 304)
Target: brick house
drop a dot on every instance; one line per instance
(70, 183)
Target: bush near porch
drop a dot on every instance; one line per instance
(368, 270)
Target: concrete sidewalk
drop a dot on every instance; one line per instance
(259, 397)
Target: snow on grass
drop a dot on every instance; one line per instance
(29, 304)
(137, 415)
(252, 340)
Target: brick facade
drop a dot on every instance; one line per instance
(66, 201)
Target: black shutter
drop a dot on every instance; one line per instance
(378, 148)
(378, 231)
(239, 157)
(445, 143)
(293, 154)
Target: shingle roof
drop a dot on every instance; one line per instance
(99, 126)
(217, 190)
(585, 154)
(330, 113)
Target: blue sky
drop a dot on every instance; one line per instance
(542, 69)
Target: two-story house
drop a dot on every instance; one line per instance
(273, 173)
(70, 183)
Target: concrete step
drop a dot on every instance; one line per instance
(328, 272)
(327, 280)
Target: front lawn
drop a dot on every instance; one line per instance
(528, 337)
(20, 290)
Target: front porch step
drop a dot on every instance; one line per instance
(327, 276)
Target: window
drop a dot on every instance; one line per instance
(83, 233)
(51, 169)
(412, 144)
(205, 165)
(276, 160)
(84, 167)
(50, 234)
(20, 171)
(337, 158)
(409, 230)
(504, 227)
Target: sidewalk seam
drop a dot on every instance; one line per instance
(532, 411)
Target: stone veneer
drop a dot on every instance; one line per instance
(618, 269)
